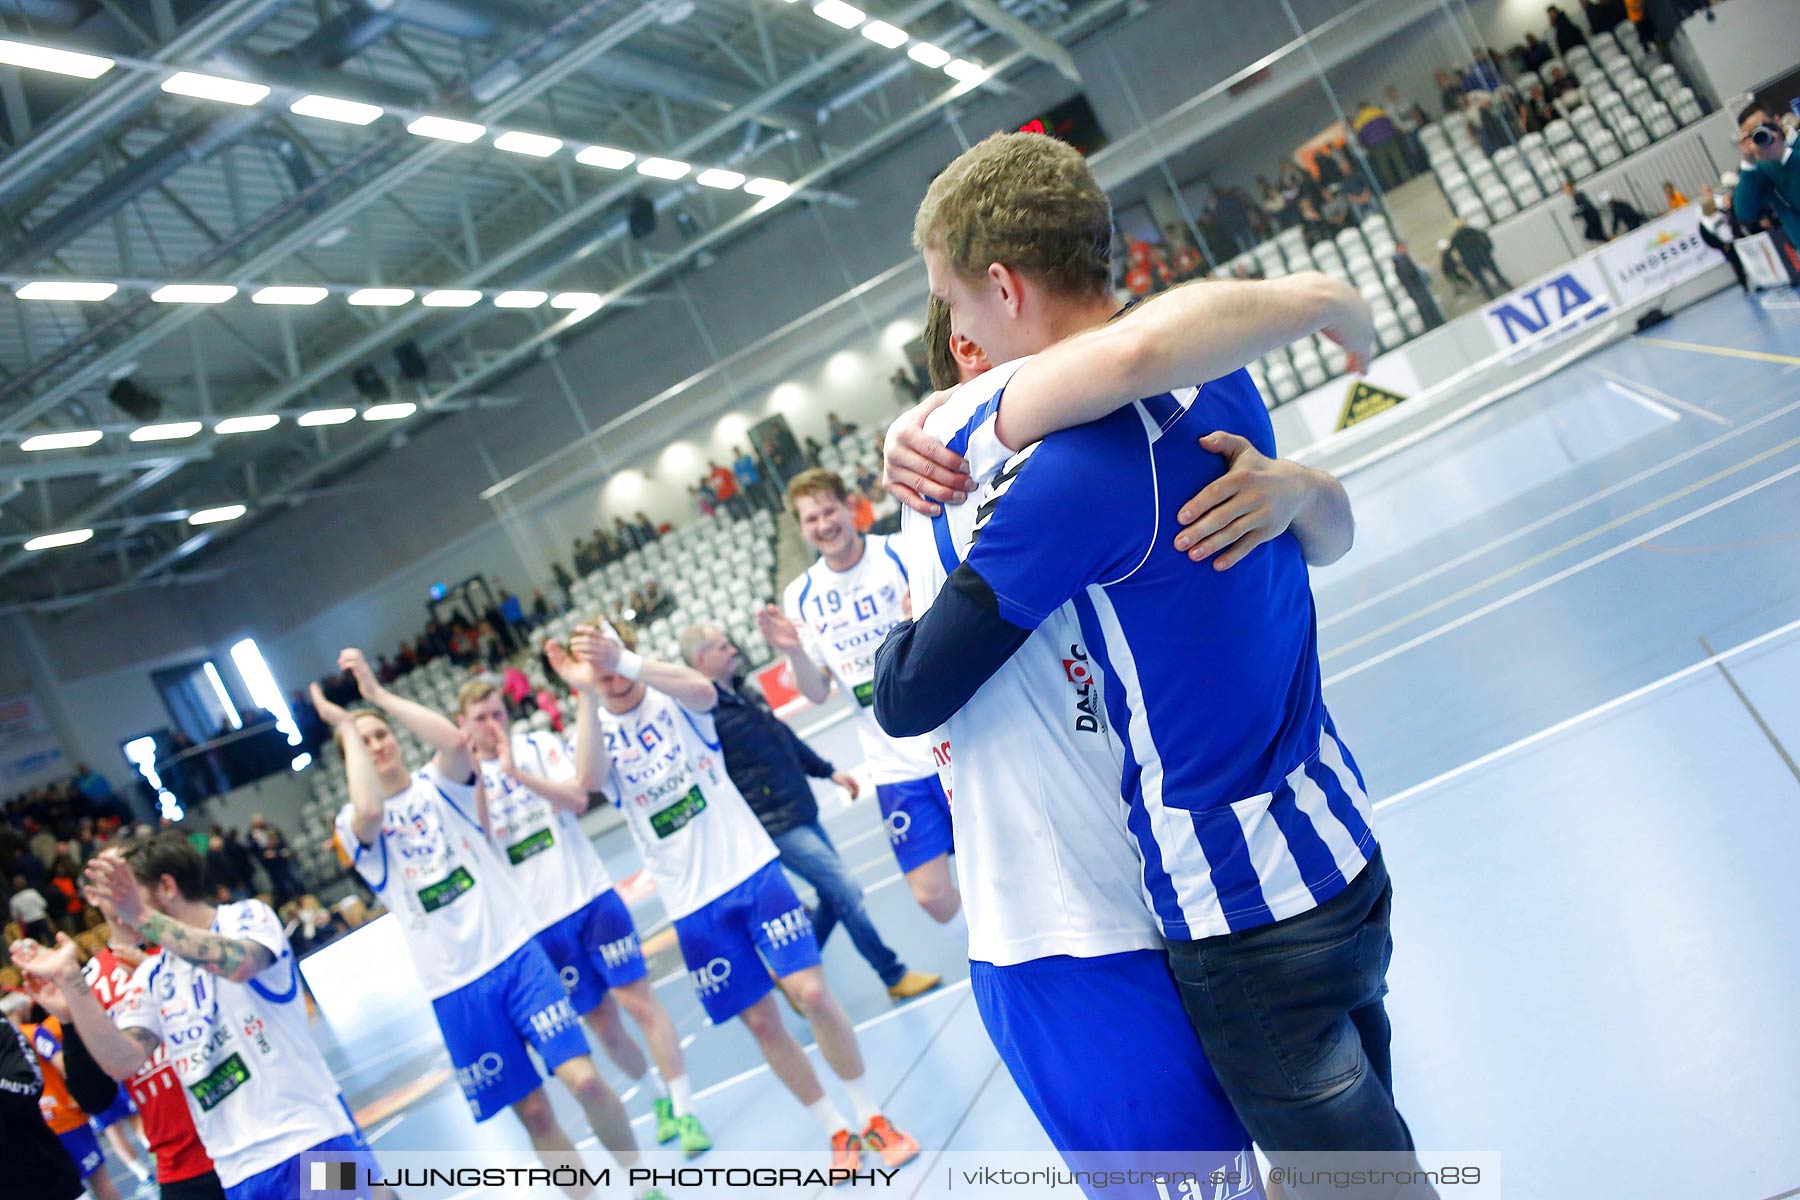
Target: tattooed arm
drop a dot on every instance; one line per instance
(113, 887)
(237, 959)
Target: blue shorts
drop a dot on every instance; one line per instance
(120, 1109)
(488, 1023)
(726, 943)
(1102, 1050)
(84, 1148)
(321, 1171)
(917, 816)
(593, 949)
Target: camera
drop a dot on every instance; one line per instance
(1764, 136)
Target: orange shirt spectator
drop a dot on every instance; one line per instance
(862, 513)
(60, 1111)
(724, 483)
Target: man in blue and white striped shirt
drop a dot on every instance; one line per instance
(1245, 807)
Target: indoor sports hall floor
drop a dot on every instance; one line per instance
(1592, 829)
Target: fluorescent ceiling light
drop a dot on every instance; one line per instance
(50, 541)
(663, 168)
(70, 439)
(536, 145)
(212, 516)
(576, 300)
(390, 412)
(520, 299)
(378, 297)
(64, 289)
(719, 177)
(290, 295)
(928, 55)
(63, 62)
(606, 156)
(845, 16)
(447, 129)
(774, 188)
(883, 34)
(451, 298)
(326, 416)
(193, 293)
(252, 424)
(171, 431)
(330, 108)
(964, 71)
(212, 87)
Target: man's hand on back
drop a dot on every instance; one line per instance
(918, 469)
(1255, 501)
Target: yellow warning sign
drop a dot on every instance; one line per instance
(1364, 401)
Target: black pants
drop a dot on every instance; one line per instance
(1293, 1019)
(1481, 268)
(200, 1187)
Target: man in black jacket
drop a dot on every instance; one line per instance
(770, 765)
(36, 1162)
(1476, 250)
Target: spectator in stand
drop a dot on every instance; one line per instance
(385, 670)
(1329, 171)
(749, 479)
(1335, 215)
(1409, 119)
(626, 536)
(276, 858)
(1483, 74)
(1565, 93)
(1231, 211)
(1452, 269)
(512, 612)
(515, 687)
(1674, 196)
(540, 608)
(837, 428)
(1636, 11)
(1381, 141)
(813, 448)
(64, 874)
(646, 528)
(724, 485)
(29, 908)
(564, 582)
(1450, 92)
(1602, 16)
(1417, 285)
(705, 503)
(1564, 32)
(1535, 110)
(1490, 132)
(95, 788)
(550, 706)
(1475, 249)
(242, 858)
(222, 872)
(1275, 208)
(1535, 55)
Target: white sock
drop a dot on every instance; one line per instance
(137, 1168)
(826, 1114)
(681, 1094)
(864, 1102)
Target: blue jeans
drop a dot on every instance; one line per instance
(1292, 1018)
(806, 850)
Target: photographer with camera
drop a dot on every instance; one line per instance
(1769, 180)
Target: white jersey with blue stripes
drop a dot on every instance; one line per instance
(553, 861)
(256, 1085)
(843, 616)
(433, 868)
(1045, 862)
(697, 834)
(1243, 802)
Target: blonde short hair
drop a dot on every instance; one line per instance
(473, 692)
(1027, 201)
(815, 482)
(361, 710)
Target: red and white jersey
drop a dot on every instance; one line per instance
(168, 1127)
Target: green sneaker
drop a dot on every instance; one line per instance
(667, 1127)
(693, 1136)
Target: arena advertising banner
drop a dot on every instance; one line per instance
(29, 752)
(1575, 289)
(1654, 258)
